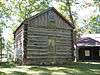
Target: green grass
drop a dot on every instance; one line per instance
(7, 64)
(3, 73)
(38, 68)
(18, 73)
(84, 69)
(68, 69)
(72, 69)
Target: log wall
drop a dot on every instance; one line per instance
(39, 34)
(19, 46)
(45, 39)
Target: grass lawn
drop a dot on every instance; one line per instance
(69, 69)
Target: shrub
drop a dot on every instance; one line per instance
(7, 64)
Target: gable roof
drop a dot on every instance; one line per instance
(89, 40)
(38, 14)
(93, 36)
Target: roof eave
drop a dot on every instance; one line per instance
(50, 8)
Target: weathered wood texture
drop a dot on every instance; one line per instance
(19, 48)
(47, 39)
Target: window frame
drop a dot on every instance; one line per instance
(87, 53)
(99, 52)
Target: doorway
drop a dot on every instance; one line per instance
(52, 49)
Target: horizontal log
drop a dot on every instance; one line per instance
(30, 49)
(45, 29)
(37, 47)
(63, 50)
(36, 53)
(49, 33)
(37, 41)
(35, 57)
(42, 31)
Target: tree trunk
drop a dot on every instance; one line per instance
(69, 10)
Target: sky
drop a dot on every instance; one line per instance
(83, 13)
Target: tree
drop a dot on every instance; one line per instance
(65, 9)
(95, 23)
(13, 12)
(26, 8)
(1, 44)
(92, 24)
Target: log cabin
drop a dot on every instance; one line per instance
(45, 38)
(89, 47)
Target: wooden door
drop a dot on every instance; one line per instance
(95, 54)
(52, 49)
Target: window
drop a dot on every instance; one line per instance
(51, 25)
(51, 20)
(87, 53)
(51, 16)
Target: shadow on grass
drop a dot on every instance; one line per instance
(72, 69)
(3, 73)
(45, 70)
(18, 73)
(44, 73)
(84, 69)
(38, 69)
(84, 65)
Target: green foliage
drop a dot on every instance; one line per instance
(65, 7)
(94, 20)
(97, 2)
(27, 7)
(1, 43)
(13, 12)
(7, 64)
(94, 24)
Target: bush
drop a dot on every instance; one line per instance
(7, 64)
